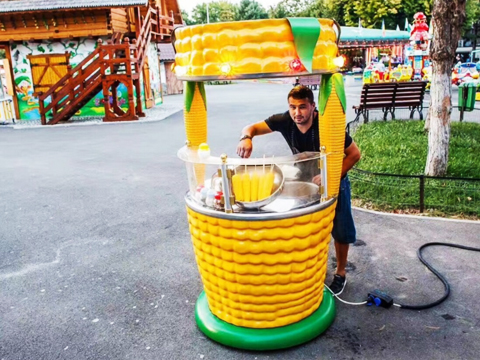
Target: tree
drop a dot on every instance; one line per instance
(411, 7)
(217, 11)
(337, 9)
(227, 11)
(475, 24)
(199, 14)
(292, 8)
(371, 12)
(278, 11)
(472, 15)
(316, 9)
(186, 18)
(251, 10)
(295, 7)
(448, 18)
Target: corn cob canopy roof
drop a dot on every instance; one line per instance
(254, 49)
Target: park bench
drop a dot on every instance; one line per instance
(389, 96)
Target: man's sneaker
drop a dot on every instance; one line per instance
(338, 284)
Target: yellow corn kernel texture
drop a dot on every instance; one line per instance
(247, 47)
(196, 119)
(196, 128)
(262, 274)
(332, 135)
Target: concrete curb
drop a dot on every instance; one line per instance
(425, 217)
(92, 122)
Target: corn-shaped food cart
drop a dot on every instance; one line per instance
(261, 227)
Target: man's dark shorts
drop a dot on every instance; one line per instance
(343, 225)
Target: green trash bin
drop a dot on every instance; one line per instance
(466, 96)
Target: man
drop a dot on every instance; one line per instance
(299, 127)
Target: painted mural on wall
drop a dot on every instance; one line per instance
(28, 103)
(155, 81)
(78, 49)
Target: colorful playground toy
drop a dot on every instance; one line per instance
(419, 34)
(374, 73)
(260, 227)
(420, 40)
(464, 72)
(401, 73)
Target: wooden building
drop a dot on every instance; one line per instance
(85, 57)
(170, 84)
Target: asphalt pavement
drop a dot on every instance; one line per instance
(96, 260)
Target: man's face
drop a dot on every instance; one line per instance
(301, 111)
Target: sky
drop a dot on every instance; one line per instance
(188, 5)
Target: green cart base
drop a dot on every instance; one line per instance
(265, 339)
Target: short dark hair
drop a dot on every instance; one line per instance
(301, 92)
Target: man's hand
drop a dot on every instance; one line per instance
(244, 148)
(317, 180)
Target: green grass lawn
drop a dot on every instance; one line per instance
(400, 147)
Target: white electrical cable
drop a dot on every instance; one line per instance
(343, 301)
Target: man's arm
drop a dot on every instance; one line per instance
(352, 156)
(245, 147)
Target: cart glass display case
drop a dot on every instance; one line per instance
(264, 186)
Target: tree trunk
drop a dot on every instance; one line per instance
(426, 127)
(439, 132)
(448, 17)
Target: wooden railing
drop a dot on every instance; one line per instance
(69, 87)
(117, 38)
(144, 36)
(163, 32)
(117, 61)
(86, 78)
